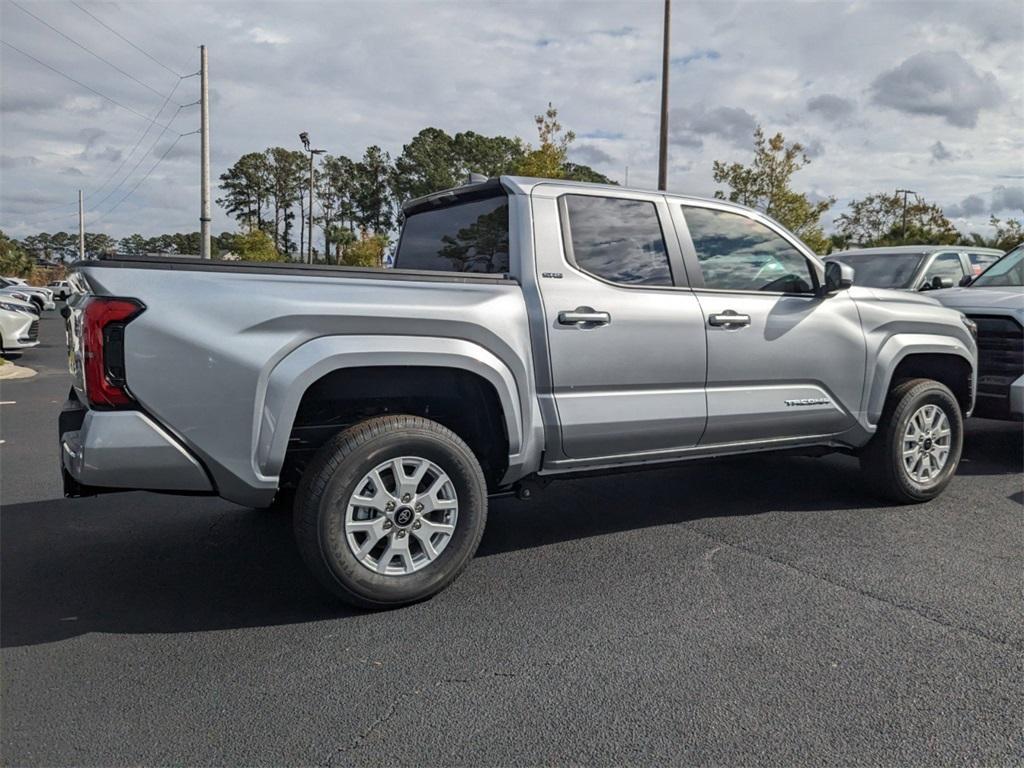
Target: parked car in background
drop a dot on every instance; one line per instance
(19, 324)
(982, 258)
(913, 267)
(531, 329)
(995, 302)
(61, 289)
(41, 297)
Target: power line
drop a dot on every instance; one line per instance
(85, 48)
(133, 45)
(113, 101)
(144, 177)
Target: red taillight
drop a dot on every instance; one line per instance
(103, 322)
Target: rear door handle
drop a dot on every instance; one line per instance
(729, 318)
(583, 317)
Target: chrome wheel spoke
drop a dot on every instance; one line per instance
(387, 520)
(926, 445)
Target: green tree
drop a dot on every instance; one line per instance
(580, 172)
(372, 201)
(255, 245)
(13, 259)
(97, 244)
(367, 251)
(335, 183)
(247, 188)
(428, 163)
(879, 220)
(289, 178)
(133, 245)
(547, 161)
(487, 155)
(765, 186)
(1008, 234)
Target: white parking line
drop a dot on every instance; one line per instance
(8, 402)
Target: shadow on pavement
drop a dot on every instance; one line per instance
(137, 562)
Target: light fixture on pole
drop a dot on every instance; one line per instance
(304, 138)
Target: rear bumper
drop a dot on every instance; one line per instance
(123, 450)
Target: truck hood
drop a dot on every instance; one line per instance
(862, 293)
(1004, 300)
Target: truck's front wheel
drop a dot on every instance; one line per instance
(390, 511)
(916, 450)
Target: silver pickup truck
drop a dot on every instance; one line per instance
(531, 329)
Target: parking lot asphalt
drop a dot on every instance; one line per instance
(752, 611)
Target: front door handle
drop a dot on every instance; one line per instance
(583, 317)
(729, 318)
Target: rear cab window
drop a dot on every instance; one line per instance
(457, 233)
(617, 240)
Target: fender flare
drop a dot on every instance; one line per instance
(897, 348)
(279, 396)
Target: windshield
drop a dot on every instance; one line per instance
(882, 270)
(1008, 271)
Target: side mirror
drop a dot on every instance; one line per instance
(838, 276)
(939, 282)
(966, 280)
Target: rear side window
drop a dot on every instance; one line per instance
(737, 253)
(471, 236)
(617, 240)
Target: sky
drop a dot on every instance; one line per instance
(884, 95)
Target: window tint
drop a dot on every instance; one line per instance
(618, 240)
(881, 270)
(737, 253)
(945, 265)
(470, 236)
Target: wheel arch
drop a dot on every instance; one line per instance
(357, 367)
(944, 359)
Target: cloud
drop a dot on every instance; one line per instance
(1007, 199)
(831, 107)
(9, 162)
(940, 83)
(590, 154)
(689, 127)
(706, 53)
(940, 153)
(1003, 199)
(814, 149)
(262, 35)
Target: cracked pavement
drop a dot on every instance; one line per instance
(755, 610)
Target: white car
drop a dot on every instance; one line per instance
(41, 297)
(61, 289)
(19, 324)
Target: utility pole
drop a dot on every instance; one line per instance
(204, 182)
(663, 145)
(81, 225)
(304, 138)
(905, 192)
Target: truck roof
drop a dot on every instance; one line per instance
(919, 249)
(523, 185)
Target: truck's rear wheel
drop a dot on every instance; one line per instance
(390, 511)
(916, 450)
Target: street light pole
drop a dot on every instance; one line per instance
(304, 138)
(663, 139)
(204, 154)
(905, 192)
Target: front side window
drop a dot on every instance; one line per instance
(946, 265)
(737, 253)
(469, 236)
(618, 240)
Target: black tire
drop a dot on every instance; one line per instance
(321, 504)
(881, 459)
(38, 304)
